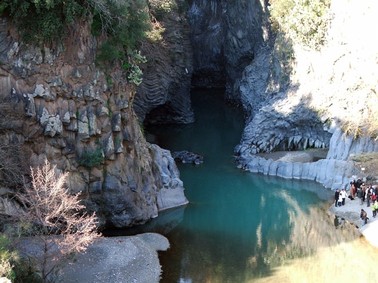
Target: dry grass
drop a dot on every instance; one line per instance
(368, 164)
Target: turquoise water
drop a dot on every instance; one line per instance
(238, 225)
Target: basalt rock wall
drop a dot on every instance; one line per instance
(164, 95)
(57, 105)
(225, 37)
(328, 90)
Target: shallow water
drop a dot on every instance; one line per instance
(243, 227)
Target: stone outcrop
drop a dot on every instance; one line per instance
(331, 173)
(284, 124)
(185, 156)
(327, 90)
(57, 105)
(108, 259)
(335, 171)
(343, 146)
(225, 37)
(164, 95)
(171, 193)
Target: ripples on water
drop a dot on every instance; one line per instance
(243, 227)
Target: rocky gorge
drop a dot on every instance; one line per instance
(327, 89)
(290, 107)
(58, 105)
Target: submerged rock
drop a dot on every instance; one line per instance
(185, 156)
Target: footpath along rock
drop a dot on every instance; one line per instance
(351, 212)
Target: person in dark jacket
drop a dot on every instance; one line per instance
(363, 216)
(337, 193)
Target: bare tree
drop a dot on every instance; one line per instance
(57, 218)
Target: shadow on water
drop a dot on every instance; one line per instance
(243, 227)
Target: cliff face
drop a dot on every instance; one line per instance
(164, 95)
(225, 37)
(331, 93)
(60, 107)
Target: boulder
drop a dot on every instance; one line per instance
(185, 156)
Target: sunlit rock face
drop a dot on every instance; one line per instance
(57, 105)
(225, 37)
(331, 93)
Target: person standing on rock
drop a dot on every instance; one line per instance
(360, 195)
(340, 201)
(363, 216)
(353, 190)
(374, 208)
(368, 195)
(363, 188)
(337, 194)
(343, 194)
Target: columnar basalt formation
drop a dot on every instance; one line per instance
(225, 37)
(164, 95)
(328, 91)
(61, 108)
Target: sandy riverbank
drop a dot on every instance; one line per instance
(309, 155)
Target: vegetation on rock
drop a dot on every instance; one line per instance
(42, 20)
(122, 23)
(304, 21)
(125, 24)
(92, 158)
(325, 49)
(7, 258)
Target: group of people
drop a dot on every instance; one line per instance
(366, 193)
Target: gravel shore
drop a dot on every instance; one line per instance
(118, 260)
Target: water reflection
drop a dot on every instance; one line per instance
(218, 257)
(320, 252)
(243, 227)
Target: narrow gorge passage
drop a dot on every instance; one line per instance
(238, 226)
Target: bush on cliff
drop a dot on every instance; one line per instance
(304, 21)
(122, 23)
(7, 258)
(42, 20)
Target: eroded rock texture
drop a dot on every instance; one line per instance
(322, 94)
(164, 95)
(56, 105)
(225, 37)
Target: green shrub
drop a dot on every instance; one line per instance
(7, 258)
(161, 7)
(124, 22)
(92, 158)
(42, 21)
(125, 29)
(304, 21)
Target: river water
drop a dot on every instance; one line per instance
(244, 227)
